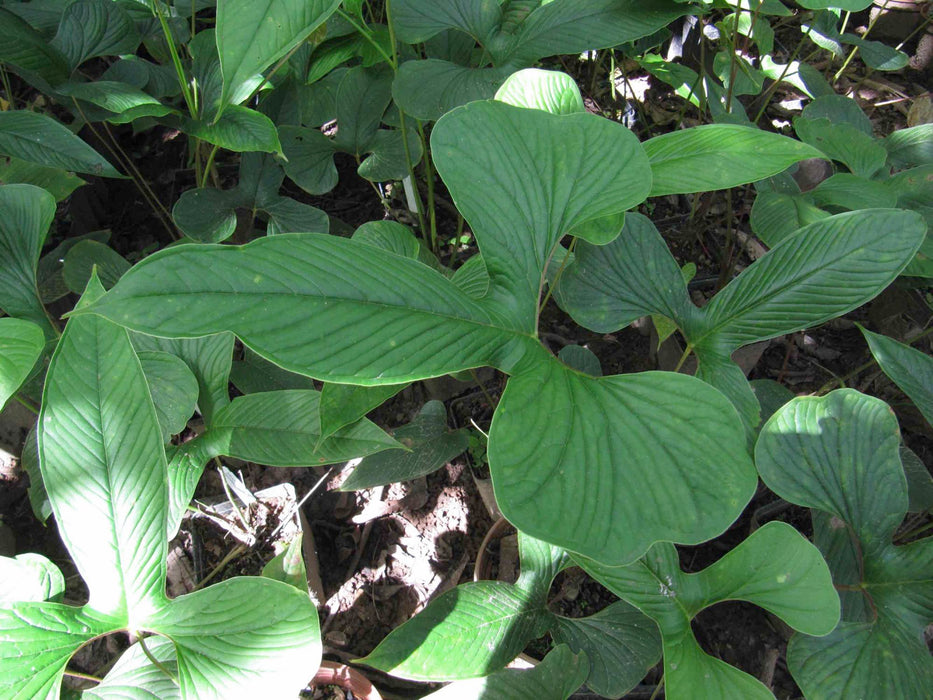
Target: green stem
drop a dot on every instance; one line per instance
(854, 50)
(683, 358)
(26, 403)
(368, 35)
(154, 661)
(429, 175)
(176, 61)
(208, 166)
(766, 95)
(7, 88)
(83, 676)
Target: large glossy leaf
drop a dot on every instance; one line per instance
(598, 440)
(21, 343)
(282, 428)
(621, 644)
(429, 446)
(417, 21)
(246, 637)
(842, 142)
(59, 183)
(775, 568)
(838, 454)
(135, 677)
(90, 28)
(476, 628)
(558, 675)
(84, 256)
(549, 91)
(252, 35)
(40, 139)
(310, 159)
(103, 466)
(910, 369)
(719, 156)
(429, 89)
(332, 308)
(125, 101)
(36, 641)
(237, 129)
(27, 214)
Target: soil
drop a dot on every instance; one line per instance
(383, 554)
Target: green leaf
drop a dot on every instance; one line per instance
(776, 215)
(362, 98)
(429, 89)
(282, 428)
(209, 360)
(910, 147)
(251, 36)
(418, 21)
(558, 675)
(839, 109)
(21, 344)
(28, 53)
(386, 160)
(877, 55)
(914, 190)
(27, 214)
(919, 482)
(332, 277)
(40, 139)
(207, 215)
(516, 198)
(430, 446)
(476, 628)
(774, 568)
(719, 156)
(84, 256)
(631, 443)
(287, 215)
(621, 644)
(288, 566)
(839, 454)
(581, 359)
(858, 151)
(551, 91)
(343, 404)
(910, 369)
(36, 642)
(50, 272)
(91, 28)
(253, 374)
(29, 578)
(104, 467)
(245, 637)
(238, 129)
(29, 461)
(310, 157)
(174, 390)
(853, 192)
(125, 101)
(823, 271)
(396, 238)
(59, 183)
(135, 677)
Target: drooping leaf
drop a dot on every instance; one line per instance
(343, 404)
(206, 214)
(416, 21)
(844, 143)
(251, 35)
(776, 215)
(838, 454)
(104, 467)
(910, 369)
(40, 139)
(919, 482)
(237, 129)
(581, 359)
(57, 182)
(125, 101)
(253, 374)
(910, 147)
(27, 214)
(21, 344)
(429, 89)
(431, 445)
(775, 568)
(719, 156)
(310, 157)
